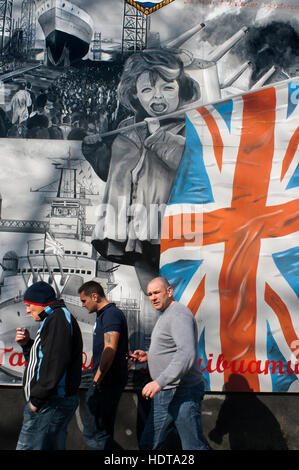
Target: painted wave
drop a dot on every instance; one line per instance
(146, 4)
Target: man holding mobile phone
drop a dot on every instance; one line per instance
(177, 388)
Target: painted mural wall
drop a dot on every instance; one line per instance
(123, 160)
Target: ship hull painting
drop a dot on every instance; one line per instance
(68, 30)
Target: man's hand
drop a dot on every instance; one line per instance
(32, 408)
(22, 336)
(139, 356)
(150, 389)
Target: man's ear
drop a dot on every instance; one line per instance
(95, 297)
(170, 291)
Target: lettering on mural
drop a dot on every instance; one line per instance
(12, 358)
(220, 365)
(243, 4)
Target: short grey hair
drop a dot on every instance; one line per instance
(163, 280)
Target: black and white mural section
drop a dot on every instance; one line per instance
(94, 136)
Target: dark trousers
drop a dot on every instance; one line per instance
(100, 413)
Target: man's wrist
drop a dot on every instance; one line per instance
(95, 384)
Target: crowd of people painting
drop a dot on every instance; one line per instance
(81, 101)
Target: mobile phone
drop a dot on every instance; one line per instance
(130, 356)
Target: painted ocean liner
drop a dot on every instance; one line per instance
(58, 252)
(67, 28)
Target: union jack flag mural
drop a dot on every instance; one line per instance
(230, 242)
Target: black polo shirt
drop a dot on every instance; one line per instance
(111, 318)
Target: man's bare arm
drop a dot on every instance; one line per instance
(111, 339)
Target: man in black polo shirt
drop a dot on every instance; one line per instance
(110, 347)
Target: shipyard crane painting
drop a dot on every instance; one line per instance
(176, 158)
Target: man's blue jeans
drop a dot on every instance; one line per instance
(46, 428)
(100, 414)
(178, 408)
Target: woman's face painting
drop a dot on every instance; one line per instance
(158, 99)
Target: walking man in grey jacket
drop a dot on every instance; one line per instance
(177, 386)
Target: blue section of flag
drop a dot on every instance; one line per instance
(280, 381)
(179, 274)
(288, 264)
(293, 98)
(225, 109)
(192, 184)
(204, 361)
(294, 181)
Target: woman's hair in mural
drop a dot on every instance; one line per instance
(158, 63)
